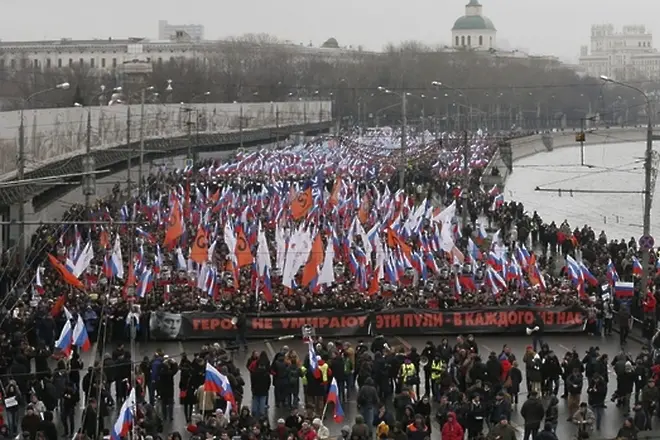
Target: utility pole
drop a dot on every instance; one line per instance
(88, 163)
(648, 190)
(129, 157)
(404, 123)
(190, 140)
(21, 176)
(648, 181)
(466, 178)
(240, 124)
(142, 98)
(582, 141)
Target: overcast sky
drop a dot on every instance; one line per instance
(557, 27)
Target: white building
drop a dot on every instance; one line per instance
(474, 30)
(625, 55)
(167, 31)
(111, 54)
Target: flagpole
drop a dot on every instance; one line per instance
(325, 408)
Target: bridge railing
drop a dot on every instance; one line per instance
(53, 134)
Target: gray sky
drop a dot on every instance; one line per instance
(555, 27)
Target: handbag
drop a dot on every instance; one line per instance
(183, 394)
(508, 382)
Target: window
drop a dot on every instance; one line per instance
(35, 64)
(91, 62)
(481, 40)
(114, 63)
(81, 62)
(13, 64)
(463, 40)
(2, 63)
(23, 63)
(469, 40)
(47, 63)
(70, 62)
(103, 62)
(160, 61)
(457, 40)
(491, 41)
(59, 62)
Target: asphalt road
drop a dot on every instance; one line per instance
(559, 343)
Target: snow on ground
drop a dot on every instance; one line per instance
(612, 167)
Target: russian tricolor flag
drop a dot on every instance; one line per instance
(612, 274)
(63, 343)
(38, 285)
(125, 418)
(147, 236)
(624, 289)
(637, 268)
(218, 383)
(333, 396)
(213, 380)
(80, 337)
(145, 284)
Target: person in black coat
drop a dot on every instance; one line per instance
(597, 393)
(89, 419)
(547, 433)
(165, 387)
(539, 328)
(48, 427)
(532, 412)
(259, 383)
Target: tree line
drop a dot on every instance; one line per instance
(531, 91)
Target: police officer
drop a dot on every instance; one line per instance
(437, 370)
(407, 374)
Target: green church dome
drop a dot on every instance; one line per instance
(473, 22)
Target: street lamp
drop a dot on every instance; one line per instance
(648, 158)
(466, 152)
(21, 164)
(404, 123)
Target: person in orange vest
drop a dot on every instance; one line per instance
(417, 430)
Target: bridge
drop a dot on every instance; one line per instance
(56, 141)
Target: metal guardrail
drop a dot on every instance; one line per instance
(163, 147)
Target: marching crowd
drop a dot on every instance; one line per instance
(342, 194)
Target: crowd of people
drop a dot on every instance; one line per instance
(267, 231)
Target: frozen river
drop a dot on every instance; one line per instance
(616, 167)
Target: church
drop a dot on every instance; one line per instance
(474, 31)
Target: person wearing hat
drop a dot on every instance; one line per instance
(322, 433)
(345, 433)
(504, 431)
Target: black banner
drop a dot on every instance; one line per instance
(514, 319)
(360, 323)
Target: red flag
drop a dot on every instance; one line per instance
(67, 276)
(58, 306)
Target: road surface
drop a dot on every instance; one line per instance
(559, 343)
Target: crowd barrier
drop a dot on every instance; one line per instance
(356, 323)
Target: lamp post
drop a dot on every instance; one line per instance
(21, 165)
(404, 123)
(466, 152)
(648, 156)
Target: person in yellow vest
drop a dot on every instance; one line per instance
(322, 375)
(437, 370)
(407, 373)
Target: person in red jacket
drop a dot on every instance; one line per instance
(452, 430)
(649, 305)
(306, 432)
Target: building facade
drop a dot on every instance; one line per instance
(168, 31)
(103, 56)
(474, 30)
(623, 55)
